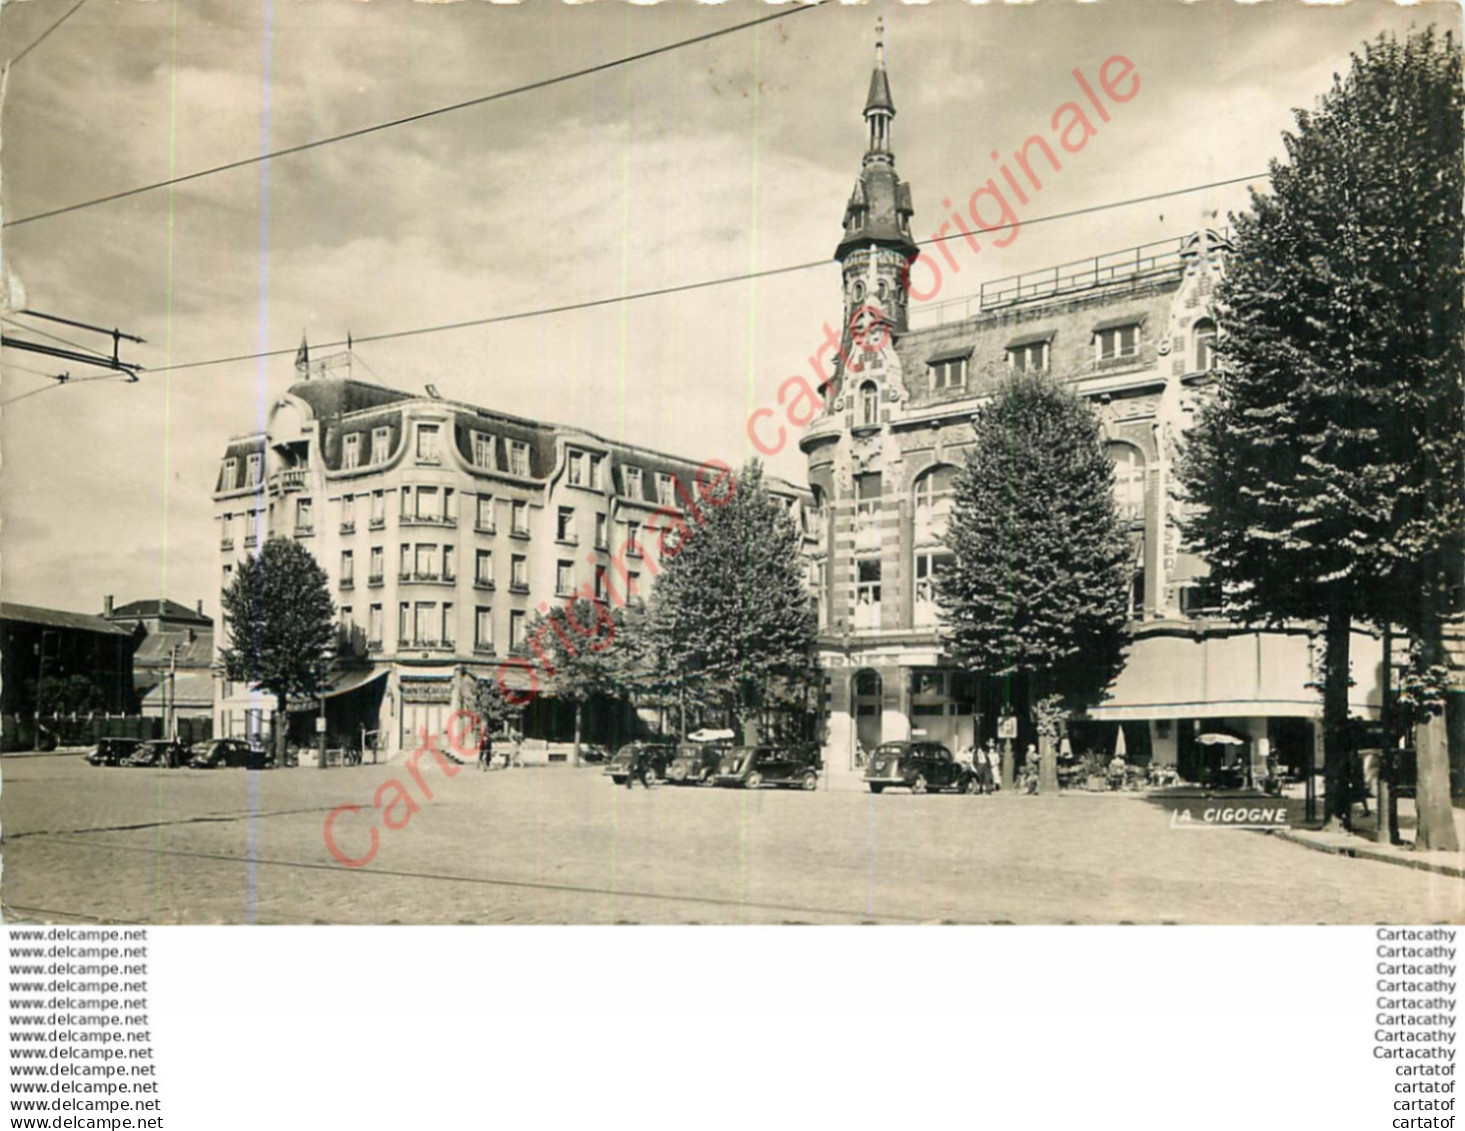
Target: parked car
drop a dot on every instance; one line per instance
(231, 752)
(113, 751)
(654, 758)
(161, 753)
(754, 766)
(696, 763)
(919, 767)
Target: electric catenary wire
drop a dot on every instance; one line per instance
(676, 288)
(539, 84)
(26, 50)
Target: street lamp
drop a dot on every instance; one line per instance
(327, 657)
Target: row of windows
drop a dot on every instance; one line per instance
(430, 624)
(1111, 344)
(868, 590)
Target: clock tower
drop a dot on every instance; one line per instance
(877, 247)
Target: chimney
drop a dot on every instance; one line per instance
(107, 605)
(200, 606)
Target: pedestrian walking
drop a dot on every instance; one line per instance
(485, 750)
(985, 764)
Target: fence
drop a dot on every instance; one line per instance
(19, 733)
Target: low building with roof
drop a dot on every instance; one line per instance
(171, 637)
(39, 645)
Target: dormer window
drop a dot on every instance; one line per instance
(1030, 355)
(427, 449)
(381, 442)
(596, 462)
(948, 370)
(577, 469)
(351, 451)
(231, 473)
(482, 450)
(664, 493)
(518, 457)
(253, 469)
(1116, 340)
(633, 482)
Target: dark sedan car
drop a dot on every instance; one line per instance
(163, 753)
(651, 757)
(919, 767)
(696, 763)
(230, 752)
(755, 766)
(113, 751)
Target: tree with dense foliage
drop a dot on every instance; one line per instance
(1327, 471)
(279, 623)
(1038, 588)
(730, 616)
(571, 648)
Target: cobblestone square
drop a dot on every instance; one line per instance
(559, 845)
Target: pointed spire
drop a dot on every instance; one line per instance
(302, 355)
(879, 98)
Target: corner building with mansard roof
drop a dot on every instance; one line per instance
(1131, 331)
(442, 527)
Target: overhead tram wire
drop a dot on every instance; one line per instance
(677, 288)
(33, 44)
(539, 84)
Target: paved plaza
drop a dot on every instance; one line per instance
(558, 845)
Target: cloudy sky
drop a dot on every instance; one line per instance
(717, 159)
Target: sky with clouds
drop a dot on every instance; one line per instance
(727, 157)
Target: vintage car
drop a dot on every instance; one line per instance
(162, 753)
(919, 767)
(696, 763)
(652, 757)
(113, 751)
(221, 752)
(754, 766)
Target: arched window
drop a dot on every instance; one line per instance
(1129, 481)
(869, 403)
(1205, 345)
(933, 501)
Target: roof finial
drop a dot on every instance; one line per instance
(880, 42)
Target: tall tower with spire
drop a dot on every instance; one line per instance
(877, 244)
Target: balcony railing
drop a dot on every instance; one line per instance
(348, 583)
(348, 527)
(483, 650)
(378, 522)
(291, 479)
(251, 540)
(429, 645)
(226, 543)
(373, 645)
(484, 528)
(304, 530)
(429, 520)
(1133, 265)
(518, 587)
(483, 583)
(375, 579)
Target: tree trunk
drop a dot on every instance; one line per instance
(282, 727)
(1436, 815)
(1047, 765)
(1337, 639)
(579, 729)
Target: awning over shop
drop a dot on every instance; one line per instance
(518, 677)
(341, 683)
(346, 682)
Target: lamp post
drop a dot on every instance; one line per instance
(320, 721)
